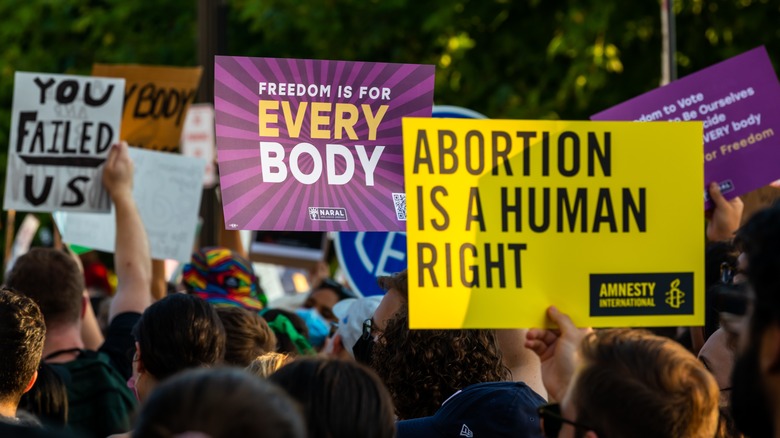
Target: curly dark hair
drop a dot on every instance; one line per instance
(22, 333)
(422, 368)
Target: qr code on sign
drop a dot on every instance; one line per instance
(399, 199)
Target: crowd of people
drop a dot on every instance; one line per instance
(216, 360)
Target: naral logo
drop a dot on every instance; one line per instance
(327, 214)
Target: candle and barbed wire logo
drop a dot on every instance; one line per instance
(327, 214)
(674, 296)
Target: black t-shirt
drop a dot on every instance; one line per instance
(119, 344)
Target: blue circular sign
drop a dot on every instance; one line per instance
(364, 256)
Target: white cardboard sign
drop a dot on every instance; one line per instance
(62, 127)
(167, 189)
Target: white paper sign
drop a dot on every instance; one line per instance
(62, 128)
(167, 189)
(197, 139)
(23, 240)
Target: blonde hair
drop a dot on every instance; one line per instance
(266, 364)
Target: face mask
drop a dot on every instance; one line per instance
(131, 385)
(319, 329)
(364, 350)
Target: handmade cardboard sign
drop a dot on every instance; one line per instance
(156, 102)
(508, 217)
(167, 190)
(62, 127)
(737, 101)
(306, 145)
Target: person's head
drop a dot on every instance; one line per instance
(223, 277)
(292, 334)
(219, 403)
(174, 334)
(351, 314)
(396, 296)
(248, 335)
(394, 299)
(633, 383)
(339, 398)
(325, 295)
(717, 355)
(22, 333)
(422, 368)
(755, 395)
(267, 364)
(53, 280)
(317, 310)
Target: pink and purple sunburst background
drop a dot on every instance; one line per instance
(251, 204)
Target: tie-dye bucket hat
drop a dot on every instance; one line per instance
(222, 277)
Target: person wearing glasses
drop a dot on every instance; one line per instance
(317, 310)
(621, 383)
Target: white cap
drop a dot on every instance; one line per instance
(351, 313)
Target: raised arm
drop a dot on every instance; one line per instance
(132, 260)
(726, 216)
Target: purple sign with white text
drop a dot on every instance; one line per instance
(311, 145)
(737, 101)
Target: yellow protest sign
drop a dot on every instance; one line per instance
(506, 217)
(156, 102)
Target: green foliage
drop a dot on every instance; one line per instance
(510, 59)
(68, 36)
(529, 59)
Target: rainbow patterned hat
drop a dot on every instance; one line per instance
(222, 277)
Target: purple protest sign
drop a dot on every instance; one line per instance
(309, 145)
(737, 101)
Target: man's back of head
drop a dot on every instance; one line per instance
(53, 280)
(22, 332)
(633, 383)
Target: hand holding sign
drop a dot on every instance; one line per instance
(558, 351)
(725, 217)
(118, 172)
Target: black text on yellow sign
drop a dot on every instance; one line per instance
(504, 212)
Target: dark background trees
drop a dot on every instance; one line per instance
(528, 59)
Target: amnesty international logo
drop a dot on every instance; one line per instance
(675, 296)
(642, 294)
